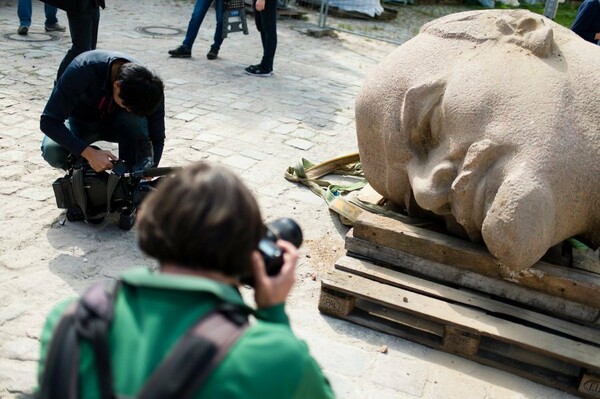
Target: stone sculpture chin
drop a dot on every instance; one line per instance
(491, 120)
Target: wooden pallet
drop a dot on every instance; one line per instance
(533, 345)
(566, 292)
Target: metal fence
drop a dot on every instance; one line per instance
(395, 21)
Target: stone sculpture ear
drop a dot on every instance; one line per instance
(532, 33)
(419, 104)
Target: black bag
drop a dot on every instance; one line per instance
(85, 193)
(181, 373)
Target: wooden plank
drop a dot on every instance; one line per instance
(586, 260)
(464, 278)
(590, 385)
(397, 279)
(475, 321)
(571, 284)
(534, 354)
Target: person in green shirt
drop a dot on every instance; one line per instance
(203, 226)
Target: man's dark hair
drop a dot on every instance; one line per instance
(203, 218)
(141, 89)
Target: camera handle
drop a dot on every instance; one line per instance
(151, 172)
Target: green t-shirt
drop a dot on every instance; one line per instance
(153, 310)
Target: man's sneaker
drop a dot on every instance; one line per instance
(256, 70)
(212, 53)
(181, 52)
(55, 28)
(22, 30)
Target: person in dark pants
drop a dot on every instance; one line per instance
(104, 96)
(266, 23)
(200, 9)
(587, 21)
(83, 25)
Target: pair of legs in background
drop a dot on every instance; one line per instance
(83, 26)
(24, 12)
(126, 129)
(266, 23)
(200, 9)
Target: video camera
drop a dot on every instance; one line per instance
(89, 195)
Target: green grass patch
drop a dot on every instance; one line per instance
(565, 15)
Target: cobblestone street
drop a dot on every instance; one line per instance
(256, 126)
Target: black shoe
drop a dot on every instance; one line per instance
(213, 53)
(181, 52)
(257, 70)
(55, 28)
(22, 30)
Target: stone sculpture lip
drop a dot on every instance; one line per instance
(475, 187)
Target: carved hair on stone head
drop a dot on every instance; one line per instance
(523, 28)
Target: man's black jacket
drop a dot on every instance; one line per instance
(84, 92)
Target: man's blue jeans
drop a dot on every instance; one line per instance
(24, 11)
(126, 129)
(200, 9)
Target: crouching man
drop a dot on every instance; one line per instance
(104, 96)
(203, 226)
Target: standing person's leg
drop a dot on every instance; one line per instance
(50, 14)
(198, 14)
(266, 24)
(51, 23)
(24, 13)
(268, 34)
(84, 35)
(218, 37)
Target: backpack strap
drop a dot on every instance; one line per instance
(61, 367)
(87, 318)
(94, 315)
(196, 355)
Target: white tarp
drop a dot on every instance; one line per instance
(369, 7)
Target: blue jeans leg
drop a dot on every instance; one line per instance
(198, 14)
(24, 12)
(50, 14)
(56, 155)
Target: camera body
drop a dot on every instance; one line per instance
(285, 229)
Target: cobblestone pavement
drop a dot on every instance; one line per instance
(256, 126)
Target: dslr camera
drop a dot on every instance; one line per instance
(280, 229)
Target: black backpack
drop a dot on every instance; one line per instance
(181, 373)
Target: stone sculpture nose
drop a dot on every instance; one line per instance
(431, 186)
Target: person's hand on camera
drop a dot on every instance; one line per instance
(99, 160)
(273, 290)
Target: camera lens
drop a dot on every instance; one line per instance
(285, 229)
